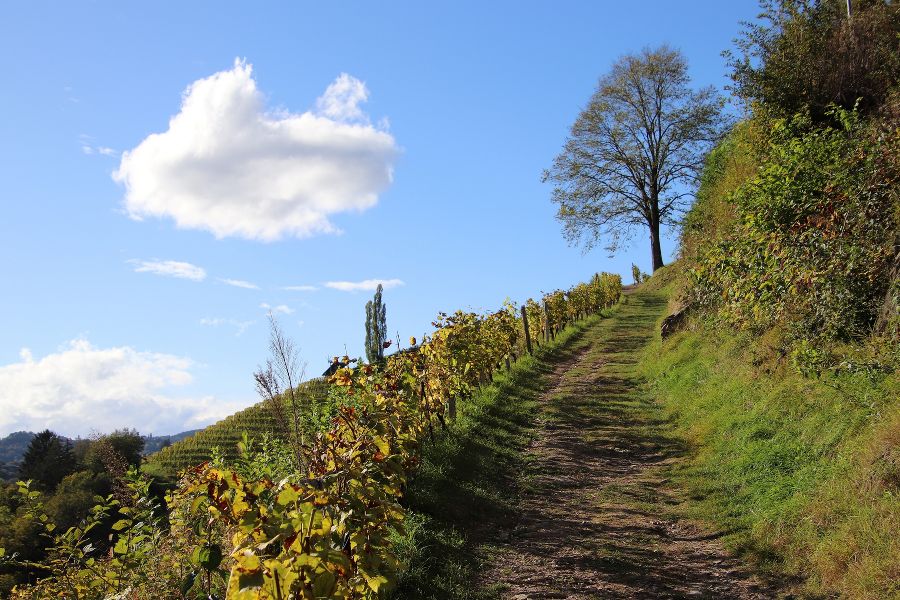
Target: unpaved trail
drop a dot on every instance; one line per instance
(598, 518)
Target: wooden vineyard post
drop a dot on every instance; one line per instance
(527, 333)
(546, 324)
(451, 407)
(427, 410)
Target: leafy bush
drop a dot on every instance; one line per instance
(812, 239)
(807, 55)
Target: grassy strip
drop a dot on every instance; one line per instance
(803, 474)
(465, 491)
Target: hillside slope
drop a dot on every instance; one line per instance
(802, 472)
(224, 435)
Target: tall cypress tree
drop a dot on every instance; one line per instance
(47, 460)
(376, 327)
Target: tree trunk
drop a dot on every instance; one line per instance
(655, 247)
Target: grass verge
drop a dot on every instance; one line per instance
(803, 474)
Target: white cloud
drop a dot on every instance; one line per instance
(240, 283)
(342, 98)
(300, 288)
(88, 147)
(241, 326)
(82, 388)
(280, 309)
(227, 166)
(170, 268)
(367, 285)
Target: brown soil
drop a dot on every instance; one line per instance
(598, 516)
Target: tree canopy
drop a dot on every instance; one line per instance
(810, 55)
(634, 153)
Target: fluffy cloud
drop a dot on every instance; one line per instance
(81, 389)
(227, 166)
(240, 283)
(170, 268)
(280, 309)
(367, 285)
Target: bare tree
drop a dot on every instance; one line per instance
(635, 152)
(277, 382)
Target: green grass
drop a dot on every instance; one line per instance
(803, 474)
(465, 493)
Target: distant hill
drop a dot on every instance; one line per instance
(13, 447)
(155, 443)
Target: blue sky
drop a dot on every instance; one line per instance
(121, 301)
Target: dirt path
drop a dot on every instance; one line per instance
(598, 518)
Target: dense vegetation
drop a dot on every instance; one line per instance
(286, 519)
(796, 229)
(787, 382)
(69, 476)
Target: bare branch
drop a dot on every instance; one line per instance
(276, 384)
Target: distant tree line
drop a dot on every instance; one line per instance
(70, 475)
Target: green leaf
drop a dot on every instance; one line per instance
(323, 584)
(375, 582)
(121, 546)
(287, 495)
(188, 583)
(209, 556)
(120, 525)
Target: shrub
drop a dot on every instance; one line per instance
(806, 55)
(813, 236)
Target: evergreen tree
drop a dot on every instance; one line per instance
(48, 459)
(376, 327)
